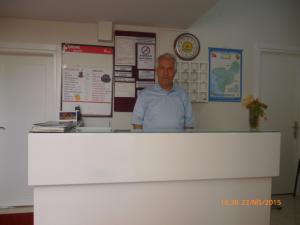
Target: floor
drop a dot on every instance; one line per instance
(288, 215)
(290, 212)
(16, 216)
(16, 219)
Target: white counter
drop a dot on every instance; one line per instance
(151, 178)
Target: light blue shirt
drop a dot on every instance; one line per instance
(157, 109)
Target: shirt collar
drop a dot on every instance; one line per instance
(163, 90)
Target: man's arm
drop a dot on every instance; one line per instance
(138, 113)
(188, 115)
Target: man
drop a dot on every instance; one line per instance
(163, 106)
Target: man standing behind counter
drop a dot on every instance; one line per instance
(163, 106)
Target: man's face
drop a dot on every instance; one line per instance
(165, 73)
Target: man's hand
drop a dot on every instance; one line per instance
(189, 128)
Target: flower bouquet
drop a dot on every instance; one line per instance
(256, 110)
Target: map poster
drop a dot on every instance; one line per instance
(225, 74)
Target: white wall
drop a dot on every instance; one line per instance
(53, 32)
(244, 24)
(241, 24)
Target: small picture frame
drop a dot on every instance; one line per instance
(68, 116)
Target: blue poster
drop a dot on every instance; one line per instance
(225, 75)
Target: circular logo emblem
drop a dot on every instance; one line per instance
(187, 46)
(105, 78)
(145, 50)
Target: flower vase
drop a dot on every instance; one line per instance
(253, 119)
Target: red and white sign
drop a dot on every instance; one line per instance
(88, 49)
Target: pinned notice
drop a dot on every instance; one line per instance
(125, 89)
(145, 56)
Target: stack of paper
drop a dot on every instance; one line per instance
(93, 129)
(53, 126)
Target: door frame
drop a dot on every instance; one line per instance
(52, 50)
(257, 87)
(49, 50)
(269, 48)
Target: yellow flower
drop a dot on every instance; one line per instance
(255, 106)
(247, 101)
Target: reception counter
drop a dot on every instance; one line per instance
(168, 178)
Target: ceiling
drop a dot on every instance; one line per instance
(160, 13)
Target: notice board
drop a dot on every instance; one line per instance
(134, 67)
(87, 77)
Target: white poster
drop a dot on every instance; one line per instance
(146, 74)
(91, 85)
(125, 50)
(144, 84)
(123, 68)
(145, 56)
(124, 89)
(123, 74)
(124, 79)
(87, 79)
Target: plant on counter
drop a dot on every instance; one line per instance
(256, 110)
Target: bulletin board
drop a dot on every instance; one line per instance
(87, 77)
(134, 69)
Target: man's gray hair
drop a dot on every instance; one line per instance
(168, 56)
